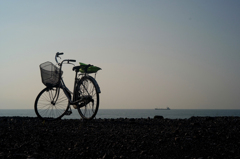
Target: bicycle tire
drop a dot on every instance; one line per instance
(87, 87)
(44, 108)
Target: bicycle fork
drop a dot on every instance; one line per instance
(54, 98)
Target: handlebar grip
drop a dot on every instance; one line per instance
(59, 53)
(72, 60)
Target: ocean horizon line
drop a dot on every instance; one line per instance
(138, 109)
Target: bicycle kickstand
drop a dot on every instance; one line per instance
(69, 112)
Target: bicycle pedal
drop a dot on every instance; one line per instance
(75, 106)
(68, 112)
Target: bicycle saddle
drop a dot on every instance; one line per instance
(76, 68)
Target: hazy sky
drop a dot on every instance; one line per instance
(153, 53)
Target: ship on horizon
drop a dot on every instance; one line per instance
(163, 108)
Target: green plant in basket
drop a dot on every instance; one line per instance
(90, 69)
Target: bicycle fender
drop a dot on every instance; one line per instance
(95, 83)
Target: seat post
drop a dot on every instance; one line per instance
(76, 69)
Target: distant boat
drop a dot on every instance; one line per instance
(163, 108)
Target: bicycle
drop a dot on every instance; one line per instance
(54, 101)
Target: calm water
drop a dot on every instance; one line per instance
(133, 113)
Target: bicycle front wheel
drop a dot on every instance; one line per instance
(89, 96)
(47, 108)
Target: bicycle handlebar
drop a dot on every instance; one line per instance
(71, 60)
(61, 53)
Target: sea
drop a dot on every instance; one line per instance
(133, 113)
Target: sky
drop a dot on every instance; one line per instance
(153, 53)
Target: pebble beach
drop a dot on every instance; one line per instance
(193, 138)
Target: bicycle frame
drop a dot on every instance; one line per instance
(67, 92)
(70, 95)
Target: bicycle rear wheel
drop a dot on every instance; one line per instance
(47, 108)
(89, 96)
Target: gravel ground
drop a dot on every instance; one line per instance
(197, 137)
